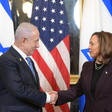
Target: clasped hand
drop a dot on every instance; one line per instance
(53, 96)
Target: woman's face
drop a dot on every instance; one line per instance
(94, 46)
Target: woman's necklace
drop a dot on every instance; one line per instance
(98, 67)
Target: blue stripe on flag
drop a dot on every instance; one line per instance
(2, 49)
(82, 103)
(5, 4)
(108, 4)
(85, 52)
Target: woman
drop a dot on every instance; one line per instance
(96, 77)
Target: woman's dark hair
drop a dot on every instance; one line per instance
(105, 41)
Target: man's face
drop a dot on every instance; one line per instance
(31, 43)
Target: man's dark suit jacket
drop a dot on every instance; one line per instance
(102, 101)
(19, 92)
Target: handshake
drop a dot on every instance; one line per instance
(53, 97)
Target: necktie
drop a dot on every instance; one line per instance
(31, 65)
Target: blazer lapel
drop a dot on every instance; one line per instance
(25, 66)
(89, 78)
(105, 75)
(22, 62)
(36, 75)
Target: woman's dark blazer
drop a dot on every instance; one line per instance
(102, 101)
(19, 91)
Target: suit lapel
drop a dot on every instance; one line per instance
(89, 77)
(104, 77)
(25, 65)
(36, 75)
(22, 62)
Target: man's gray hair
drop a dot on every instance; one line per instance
(25, 29)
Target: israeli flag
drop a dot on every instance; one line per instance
(6, 27)
(96, 16)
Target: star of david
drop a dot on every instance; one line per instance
(3, 49)
(108, 4)
(86, 54)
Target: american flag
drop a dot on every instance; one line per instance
(52, 58)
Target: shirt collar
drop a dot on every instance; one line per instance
(20, 51)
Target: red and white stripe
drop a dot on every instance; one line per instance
(54, 70)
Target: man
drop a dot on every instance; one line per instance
(19, 86)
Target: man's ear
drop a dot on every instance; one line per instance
(23, 40)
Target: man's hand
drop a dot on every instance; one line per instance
(53, 96)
